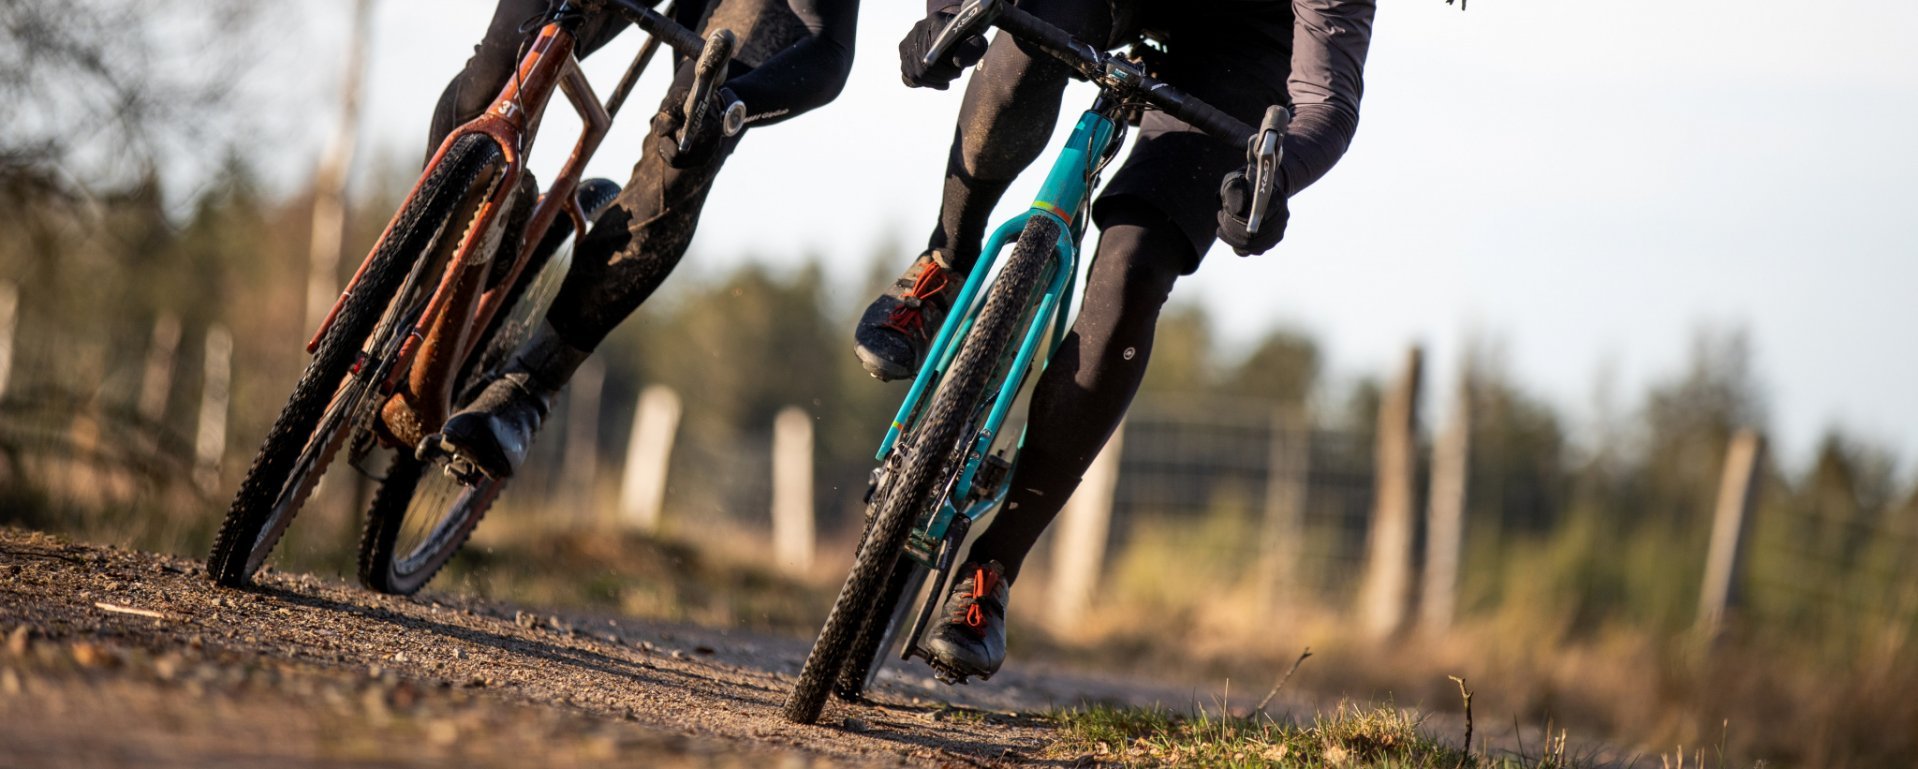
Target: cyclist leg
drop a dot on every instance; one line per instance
(627, 253)
(1090, 381)
(1010, 107)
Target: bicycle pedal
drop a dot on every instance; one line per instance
(431, 450)
(435, 450)
(951, 676)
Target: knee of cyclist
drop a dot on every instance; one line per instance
(1142, 249)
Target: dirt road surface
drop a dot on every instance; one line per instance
(118, 658)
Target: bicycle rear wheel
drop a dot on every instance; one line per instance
(419, 519)
(330, 399)
(929, 455)
(880, 635)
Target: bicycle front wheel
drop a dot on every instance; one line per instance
(929, 455)
(330, 397)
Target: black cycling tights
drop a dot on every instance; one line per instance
(638, 240)
(1091, 380)
(1010, 108)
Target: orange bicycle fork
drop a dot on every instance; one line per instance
(445, 333)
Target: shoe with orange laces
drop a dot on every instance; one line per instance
(898, 326)
(971, 640)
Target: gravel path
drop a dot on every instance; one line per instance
(116, 657)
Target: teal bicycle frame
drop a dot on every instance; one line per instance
(1064, 198)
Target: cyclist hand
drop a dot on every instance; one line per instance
(919, 41)
(708, 135)
(1235, 209)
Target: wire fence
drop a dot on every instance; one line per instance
(1213, 493)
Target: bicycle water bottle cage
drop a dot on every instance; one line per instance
(972, 18)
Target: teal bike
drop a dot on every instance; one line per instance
(945, 461)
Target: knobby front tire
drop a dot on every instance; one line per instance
(296, 450)
(934, 450)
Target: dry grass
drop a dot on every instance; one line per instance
(1347, 737)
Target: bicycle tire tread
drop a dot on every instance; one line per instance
(331, 363)
(956, 395)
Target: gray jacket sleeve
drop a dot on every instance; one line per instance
(1329, 42)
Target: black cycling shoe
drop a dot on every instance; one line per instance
(971, 640)
(492, 434)
(898, 326)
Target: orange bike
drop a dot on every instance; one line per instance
(433, 310)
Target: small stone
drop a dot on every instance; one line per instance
(459, 654)
(857, 725)
(703, 649)
(525, 620)
(399, 656)
(167, 668)
(678, 655)
(20, 641)
(87, 655)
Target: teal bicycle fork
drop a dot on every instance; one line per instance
(983, 479)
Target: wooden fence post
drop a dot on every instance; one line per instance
(329, 182)
(1385, 593)
(1445, 512)
(210, 443)
(1287, 484)
(156, 382)
(649, 451)
(1737, 495)
(1079, 547)
(9, 322)
(792, 490)
(579, 462)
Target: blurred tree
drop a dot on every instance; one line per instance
(1283, 367)
(97, 91)
(1182, 353)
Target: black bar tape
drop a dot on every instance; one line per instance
(1049, 38)
(683, 40)
(1199, 114)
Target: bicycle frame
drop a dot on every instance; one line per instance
(512, 121)
(1063, 197)
(445, 335)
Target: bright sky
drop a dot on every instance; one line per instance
(1584, 183)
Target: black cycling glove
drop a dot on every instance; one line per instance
(1235, 208)
(708, 132)
(918, 41)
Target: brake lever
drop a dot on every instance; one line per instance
(1263, 153)
(972, 17)
(708, 73)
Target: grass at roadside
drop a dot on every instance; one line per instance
(1348, 737)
